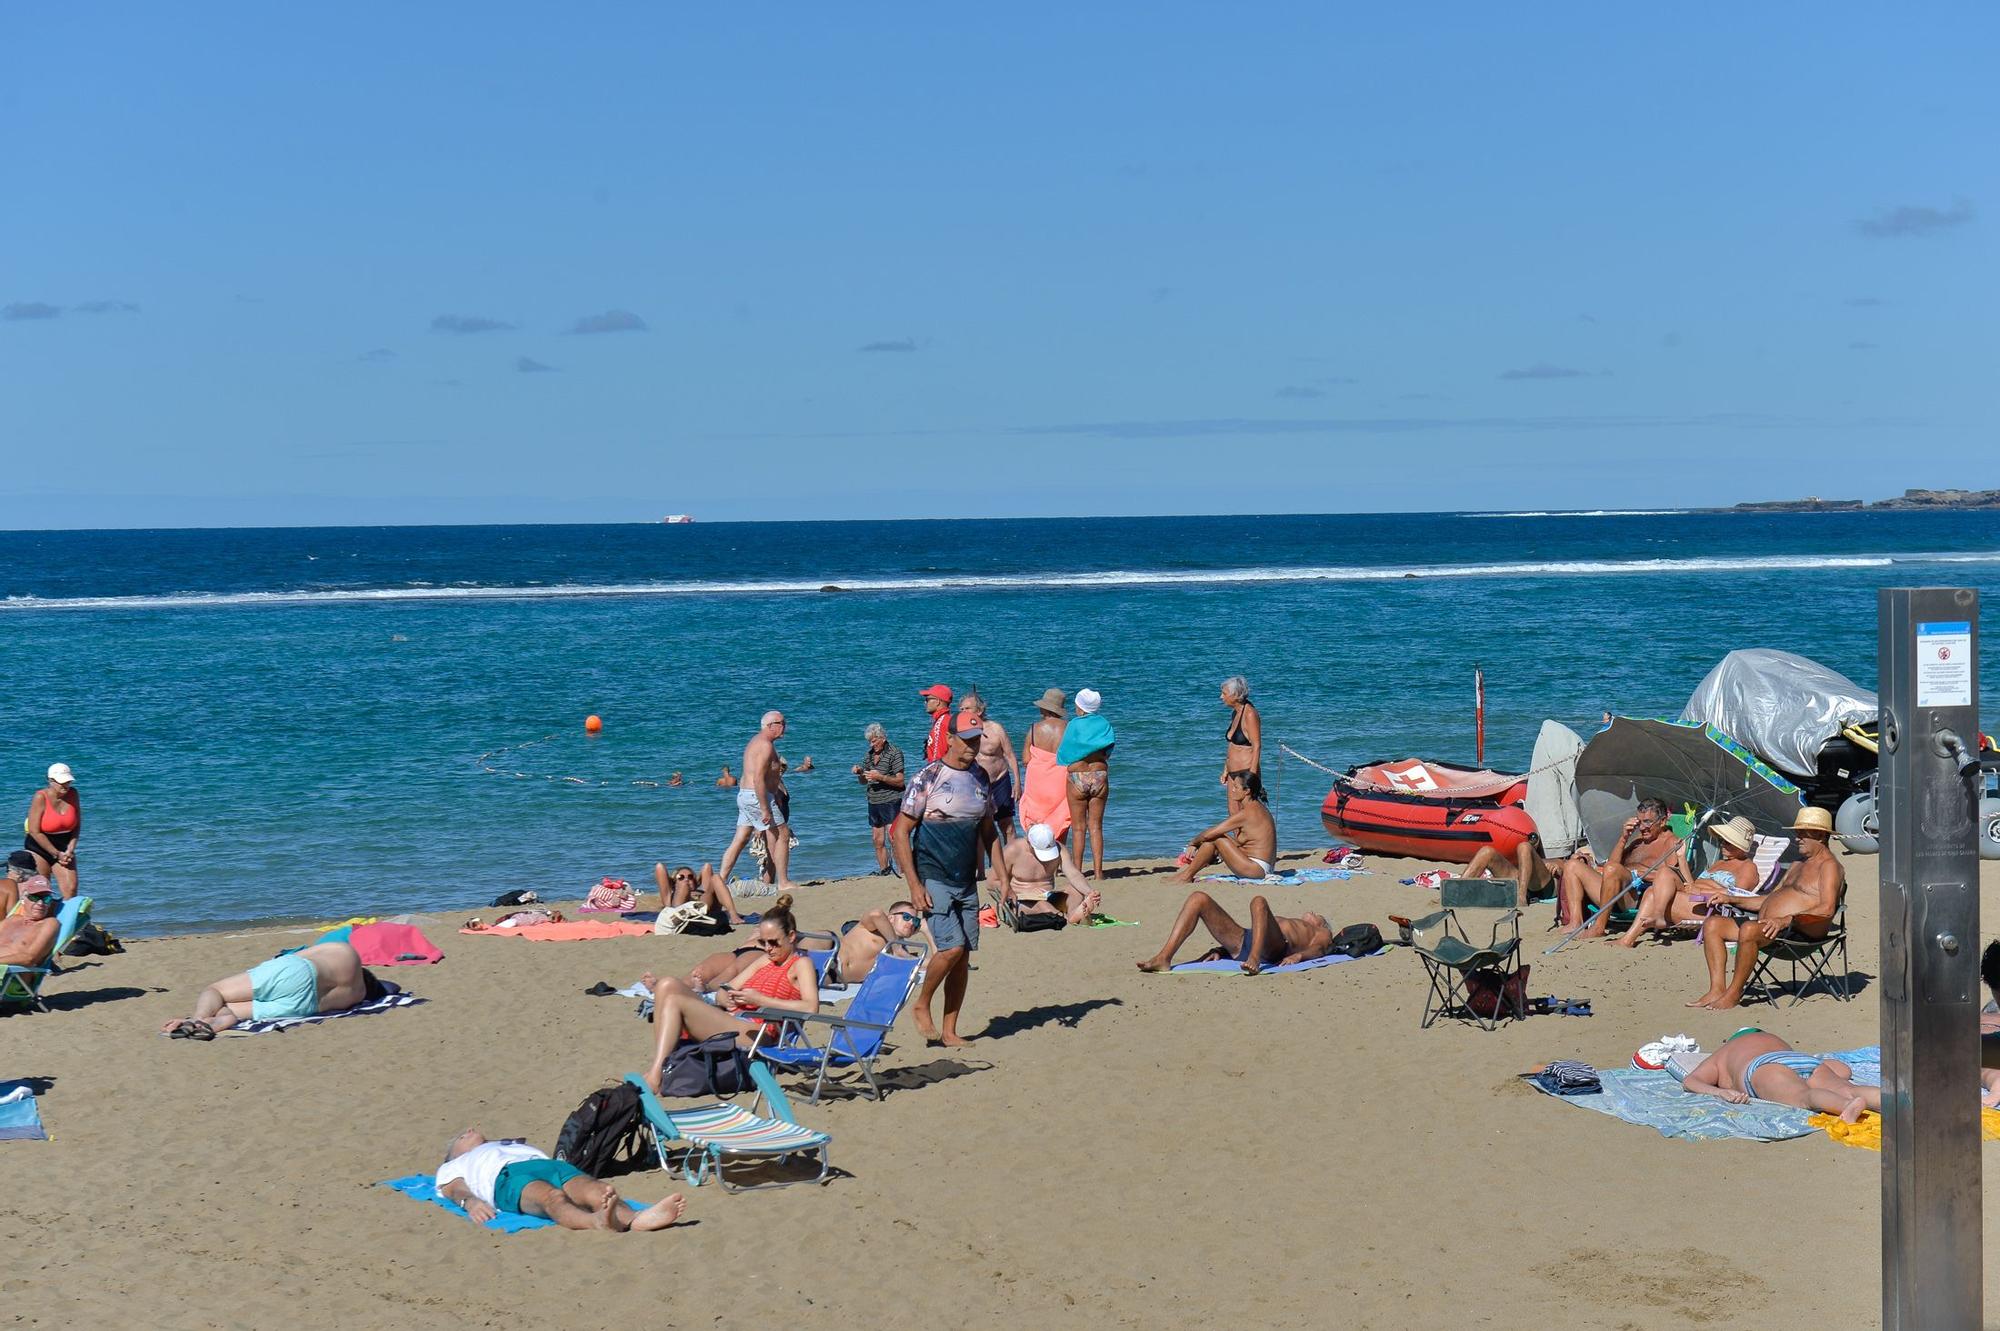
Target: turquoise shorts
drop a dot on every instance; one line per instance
(283, 987)
(511, 1181)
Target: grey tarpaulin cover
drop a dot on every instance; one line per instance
(1781, 707)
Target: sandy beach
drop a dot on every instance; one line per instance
(1118, 1149)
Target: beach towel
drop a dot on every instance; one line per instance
(1285, 876)
(20, 1116)
(1044, 794)
(1655, 1100)
(569, 931)
(1227, 966)
(393, 945)
(391, 998)
(423, 1187)
(1103, 921)
(1084, 736)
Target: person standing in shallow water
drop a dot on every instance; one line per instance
(1243, 742)
(950, 802)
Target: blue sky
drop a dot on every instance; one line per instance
(378, 263)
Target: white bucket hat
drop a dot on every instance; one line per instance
(1088, 701)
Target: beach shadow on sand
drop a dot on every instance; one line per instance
(68, 1000)
(1060, 1014)
(903, 1079)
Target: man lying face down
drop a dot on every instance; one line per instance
(326, 977)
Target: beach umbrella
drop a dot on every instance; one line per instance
(1683, 763)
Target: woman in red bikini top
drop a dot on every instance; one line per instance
(782, 978)
(52, 827)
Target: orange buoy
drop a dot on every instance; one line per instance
(592, 724)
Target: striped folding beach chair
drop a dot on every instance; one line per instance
(707, 1137)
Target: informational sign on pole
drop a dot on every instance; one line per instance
(1928, 797)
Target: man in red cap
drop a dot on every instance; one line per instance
(937, 701)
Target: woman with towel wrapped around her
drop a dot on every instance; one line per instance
(1044, 793)
(1086, 753)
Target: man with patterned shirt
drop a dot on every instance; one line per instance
(948, 808)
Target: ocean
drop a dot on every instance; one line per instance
(306, 724)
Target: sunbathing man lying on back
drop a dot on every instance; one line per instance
(1271, 940)
(489, 1177)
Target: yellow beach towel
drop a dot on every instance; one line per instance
(1867, 1132)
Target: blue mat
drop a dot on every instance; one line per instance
(1655, 1100)
(1287, 876)
(423, 1187)
(1236, 967)
(20, 1120)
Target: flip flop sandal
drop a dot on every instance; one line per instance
(600, 990)
(180, 1030)
(200, 1030)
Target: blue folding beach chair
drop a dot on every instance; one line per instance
(712, 1134)
(21, 986)
(858, 1034)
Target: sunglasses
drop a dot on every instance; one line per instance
(768, 943)
(684, 878)
(904, 915)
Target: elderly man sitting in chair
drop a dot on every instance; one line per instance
(28, 936)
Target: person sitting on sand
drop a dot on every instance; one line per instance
(1645, 844)
(20, 868)
(325, 977)
(1533, 875)
(28, 936)
(1033, 864)
(1271, 940)
(1680, 896)
(782, 978)
(682, 886)
(865, 939)
(1757, 1065)
(1246, 841)
(1801, 906)
(489, 1177)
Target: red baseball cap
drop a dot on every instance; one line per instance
(939, 691)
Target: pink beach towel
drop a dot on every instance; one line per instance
(568, 931)
(393, 945)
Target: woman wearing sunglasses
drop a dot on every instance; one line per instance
(682, 886)
(782, 979)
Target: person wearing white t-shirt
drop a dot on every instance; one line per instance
(489, 1177)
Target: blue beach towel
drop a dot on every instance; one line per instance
(1286, 876)
(1657, 1101)
(20, 1116)
(423, 1187)
(1084, 736)
(1227, 966)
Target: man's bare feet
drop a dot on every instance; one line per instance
(1703, 1001)
(607, 1209)
(1252, 966)
(660, 1214)
(1151, 965)
(1723, 1002)
(953, 1040)
(1854, 1110)
(925, 1027)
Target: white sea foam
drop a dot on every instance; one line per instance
(1112, 578)
(1586, 513)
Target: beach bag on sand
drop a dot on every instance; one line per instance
(611, 894)
(1031, 922)
(715, 1066)
(92, 941)
(605, 1130)
(1488, 992)
(1357, 940)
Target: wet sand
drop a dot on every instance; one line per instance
(1119, 1149)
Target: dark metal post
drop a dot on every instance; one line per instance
(1929, 799)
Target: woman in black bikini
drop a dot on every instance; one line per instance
(1243, 748)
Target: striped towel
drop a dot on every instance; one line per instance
(394, 998)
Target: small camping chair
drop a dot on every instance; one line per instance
(858, 1034)
(1818, 960)
(1444, 942)
(714, 1133)
(21, 986)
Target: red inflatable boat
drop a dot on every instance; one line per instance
(1427, 809)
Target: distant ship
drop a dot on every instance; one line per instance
(677, 518)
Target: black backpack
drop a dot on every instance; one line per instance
(715, 1066)
(606, 1129)
(93, 941)
(1357, 940)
